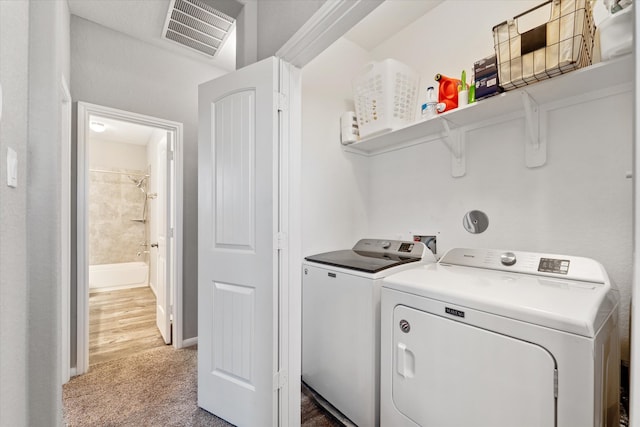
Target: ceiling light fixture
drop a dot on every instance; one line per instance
(97, 127)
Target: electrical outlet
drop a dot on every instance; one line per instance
(428, 240)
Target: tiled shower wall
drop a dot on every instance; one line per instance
(114, 203)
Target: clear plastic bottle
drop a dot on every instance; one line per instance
(431, 108)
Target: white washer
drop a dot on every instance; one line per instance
(490, 338)
(341, 322)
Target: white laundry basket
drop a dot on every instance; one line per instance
(385, 97)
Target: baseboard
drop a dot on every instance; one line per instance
(73, 372)
(189, 342)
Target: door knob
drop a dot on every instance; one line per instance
(154, 245)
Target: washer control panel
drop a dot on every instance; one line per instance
(397, 247)
(561, 266)
(552, 265)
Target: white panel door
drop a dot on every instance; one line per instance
(449, 374)
(237, 260)
(163, 311)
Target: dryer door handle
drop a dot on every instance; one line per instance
(405, 361)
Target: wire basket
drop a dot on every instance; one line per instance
(561, 41)
(385, 97)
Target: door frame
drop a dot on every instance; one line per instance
(330, 22)
(66, 112)
(85, 111)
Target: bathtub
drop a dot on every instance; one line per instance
(118, 276)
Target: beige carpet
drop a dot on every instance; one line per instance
(157, 387)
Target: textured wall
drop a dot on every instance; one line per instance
(278, 20)
(114, 203)
(48, 56)
(14, 38)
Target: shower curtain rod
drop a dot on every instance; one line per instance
(119, 173)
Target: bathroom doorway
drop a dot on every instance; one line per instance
(129, 226)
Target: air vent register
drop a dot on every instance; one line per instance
(201, 25)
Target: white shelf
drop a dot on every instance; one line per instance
(594, 79)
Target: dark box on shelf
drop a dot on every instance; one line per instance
(485, 73)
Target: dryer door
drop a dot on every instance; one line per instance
(449, 374)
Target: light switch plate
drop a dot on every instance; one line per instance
(12, 168)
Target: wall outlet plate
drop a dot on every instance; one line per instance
(12, 168)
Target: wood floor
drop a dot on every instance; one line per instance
(122, 323)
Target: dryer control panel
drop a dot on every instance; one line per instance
(561, 266)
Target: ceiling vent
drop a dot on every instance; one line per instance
(199, 24)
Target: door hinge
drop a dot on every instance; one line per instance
(280, 380)
(282, 103)
(280, 241)
(171, 231)
(171, 155)
(555, 383)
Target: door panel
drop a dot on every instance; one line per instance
(163, 314)
(448, 374)
(237, 261)
(234, 169)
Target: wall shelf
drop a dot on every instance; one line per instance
(451, 126)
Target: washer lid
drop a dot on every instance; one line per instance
(369, 262)
(375, 255)
(574, 306)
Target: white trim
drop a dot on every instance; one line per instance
(291, 297)
(189, 342)
(82, 276)
(85, 110)
(328, 24)
(634, 380)
(332, 20)
(178, 238)
(65, 229)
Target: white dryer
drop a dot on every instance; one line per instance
(341, 322)
(489, 338)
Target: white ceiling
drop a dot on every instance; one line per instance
(144, 20)
(388, 19)
(122, 132)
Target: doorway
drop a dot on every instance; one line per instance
(129, 234)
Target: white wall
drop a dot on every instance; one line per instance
(14, 48)
(335, 186)
(105, 154)
(111, 69)
(579, 203)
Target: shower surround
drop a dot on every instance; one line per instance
(116, 209)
